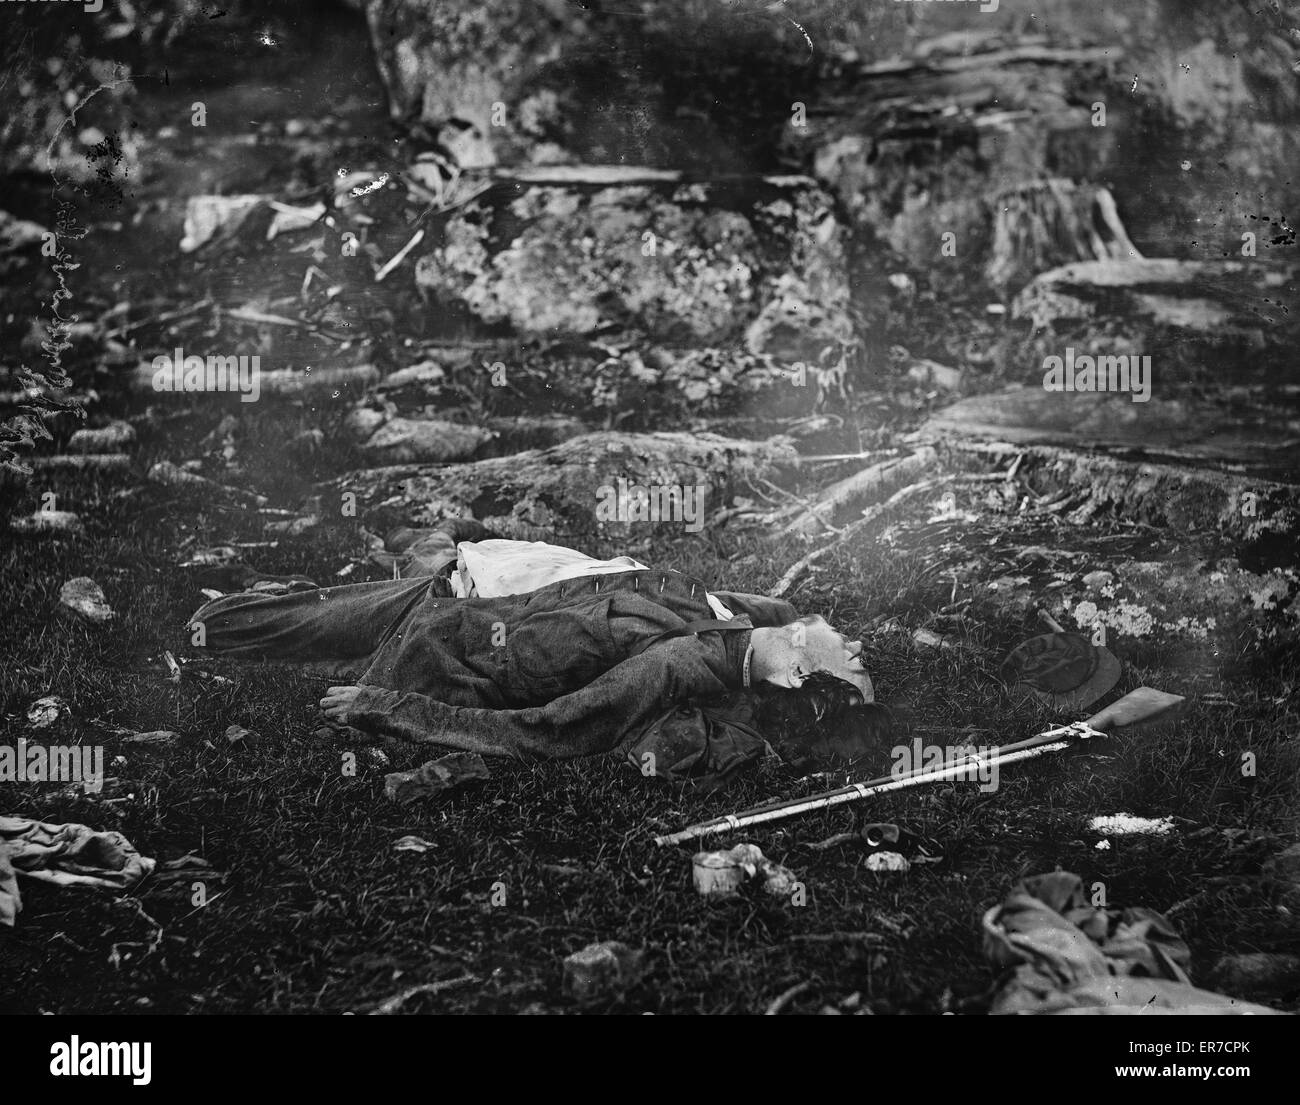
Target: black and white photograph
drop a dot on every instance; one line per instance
(649, 507)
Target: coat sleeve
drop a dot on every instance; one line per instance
(609, 712)
(760, 609)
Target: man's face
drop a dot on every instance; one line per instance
(822, 648)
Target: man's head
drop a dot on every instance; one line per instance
(787, 655)
(825, 723)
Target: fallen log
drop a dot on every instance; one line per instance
(874, 481)
(99, 439)
(1172, 496)
(103, 462)
(870, 515)
(282, 383)
(600, 484)
(1253, 296)
(170, 475)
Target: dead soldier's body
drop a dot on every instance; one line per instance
(563, 656)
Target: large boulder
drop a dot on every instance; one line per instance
(758, 264)
(414, 440)
(1169, 123)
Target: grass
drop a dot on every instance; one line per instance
(309, 908)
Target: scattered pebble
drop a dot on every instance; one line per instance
(44, 712)
(600, 970)
(237, 734)
(86, 599)
(412, 844)
(435, 777)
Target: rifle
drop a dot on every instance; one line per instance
(1137, 706)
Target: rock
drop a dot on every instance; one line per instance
(415, 844)
(18, 234)
(794, 326)
(702, 264)
(44, 712)
(1257, 976)
(431, 440)
(1003, 136)
(778, 881)
(887, 861)
(206, 217)
(362, 422)
(931, 374)
(601, 970)
(62, 522)
(436, 777)
(84, 598)
(982, 160)
(211, 556)
(513, 435)
(613, 484)
(114, 437)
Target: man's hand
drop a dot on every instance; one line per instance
(338, 701)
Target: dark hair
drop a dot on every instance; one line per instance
(825, 722)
